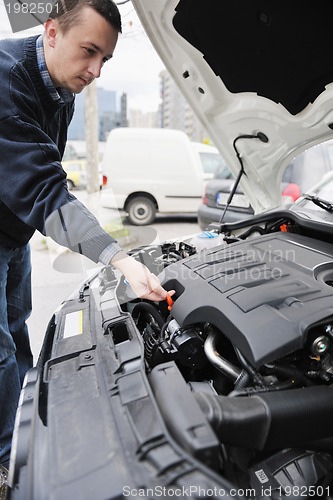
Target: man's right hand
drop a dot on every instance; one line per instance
(144, 284)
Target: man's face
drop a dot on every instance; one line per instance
(75, 59)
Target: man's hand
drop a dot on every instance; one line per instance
(144, 284)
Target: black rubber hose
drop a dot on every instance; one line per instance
(149, 308)
(289, 372)
(254, 374)
(273, 419)
(253, 229)
(243, 380)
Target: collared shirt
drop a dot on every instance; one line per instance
(56, 94)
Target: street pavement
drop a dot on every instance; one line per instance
(56, 272)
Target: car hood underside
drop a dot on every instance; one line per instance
(249, 67)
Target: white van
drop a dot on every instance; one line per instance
(155, 170)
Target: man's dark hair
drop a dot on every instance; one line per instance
(67, 12)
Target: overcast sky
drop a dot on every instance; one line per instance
(134, 68)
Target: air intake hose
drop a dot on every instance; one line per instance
(272, 419)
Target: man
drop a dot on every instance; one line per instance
(39, 76)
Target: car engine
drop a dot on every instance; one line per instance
(246, 348)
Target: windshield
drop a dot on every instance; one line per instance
(309, 168)
(318, 201)
(324, 189)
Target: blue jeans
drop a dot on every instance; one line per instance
(15, 353)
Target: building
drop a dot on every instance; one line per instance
(175, 112)
(139, 118)
(112, 113)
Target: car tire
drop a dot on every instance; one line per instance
(141, 211)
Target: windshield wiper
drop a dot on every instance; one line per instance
(325, 204)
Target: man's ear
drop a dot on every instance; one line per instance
(51, 28)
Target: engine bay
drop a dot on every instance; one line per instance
(225, 388)
(247, 347)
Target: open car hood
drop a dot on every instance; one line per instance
(247, 67)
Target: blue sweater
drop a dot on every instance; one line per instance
(33, 133)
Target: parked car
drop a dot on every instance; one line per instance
(76, 171)
(155, 170)
(303, 172)
(225, 390)
(216, 195)
(75, 165)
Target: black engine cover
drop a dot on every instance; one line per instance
(265, 294)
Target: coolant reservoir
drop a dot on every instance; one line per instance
(207, 239)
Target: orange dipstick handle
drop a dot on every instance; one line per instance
(169, 301)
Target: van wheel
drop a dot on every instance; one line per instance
(141, 211)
